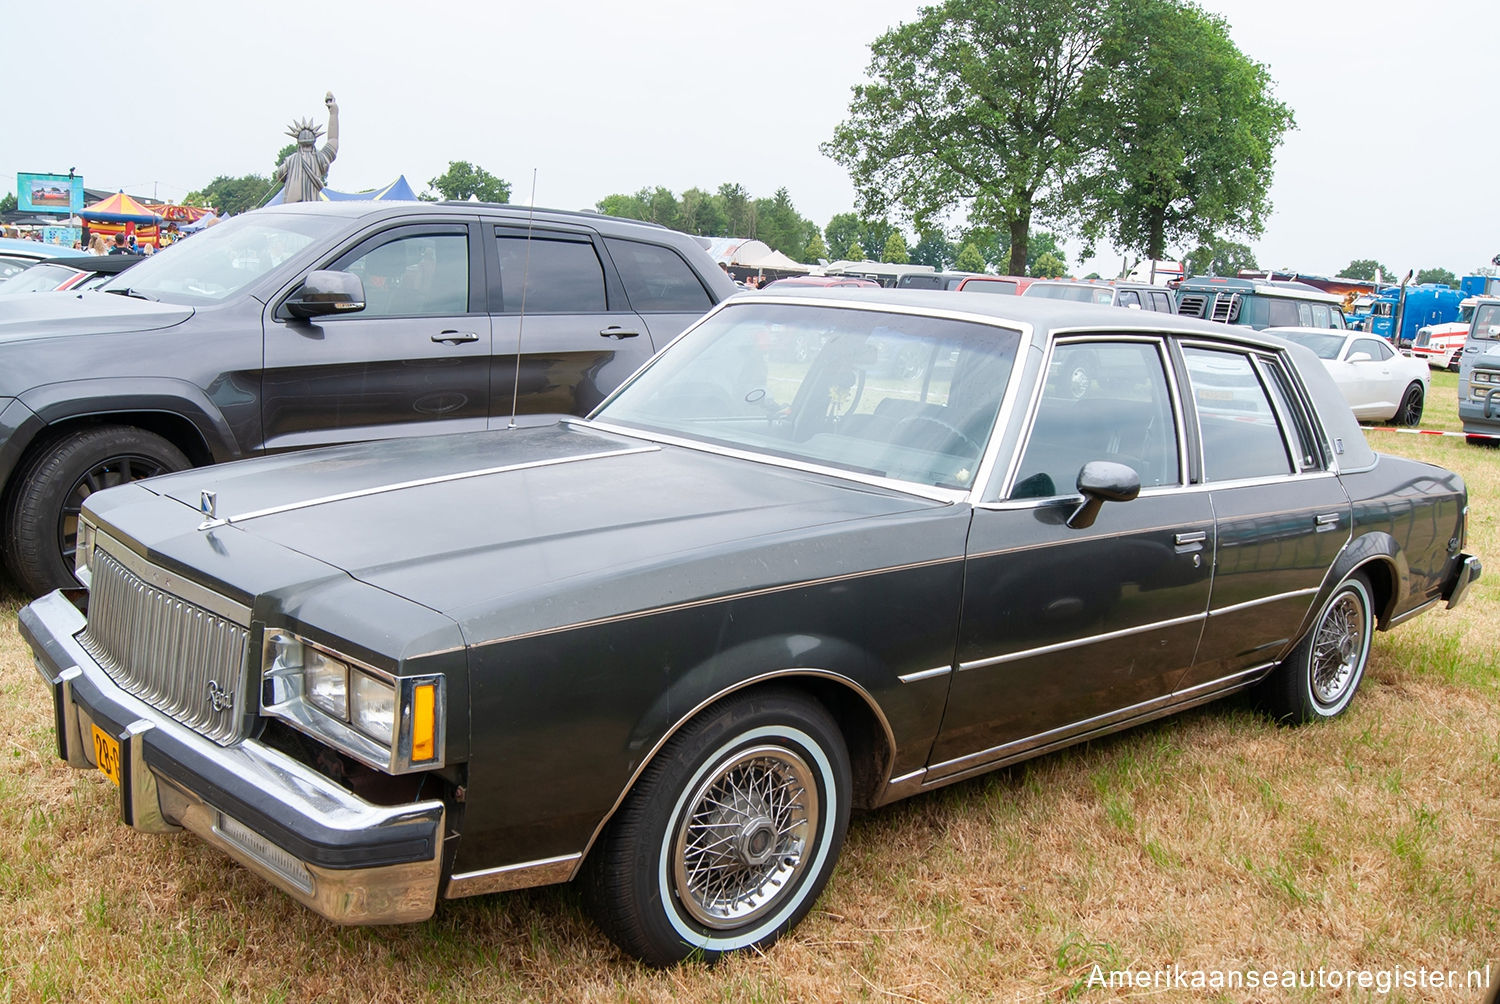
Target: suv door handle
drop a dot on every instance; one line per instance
(455, 337)
(615, 331)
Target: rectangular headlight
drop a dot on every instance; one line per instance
(373, 707)
(392, 723)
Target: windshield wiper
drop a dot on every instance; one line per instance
(127, 291)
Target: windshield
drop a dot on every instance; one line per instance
(900, 396)
(218, 262)
(1326, 346)
(37, 278)
(1487, 321)
(1060, 291)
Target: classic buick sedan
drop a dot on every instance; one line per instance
(829, 550)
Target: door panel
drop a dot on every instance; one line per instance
(415, 361)
(561, 313)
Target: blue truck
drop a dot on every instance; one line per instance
(1411, 307)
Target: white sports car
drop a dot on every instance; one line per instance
(1380, 384)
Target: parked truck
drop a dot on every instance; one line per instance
(1398, 311)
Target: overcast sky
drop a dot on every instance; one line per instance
(1392, 158)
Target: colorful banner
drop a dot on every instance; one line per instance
(49, 193)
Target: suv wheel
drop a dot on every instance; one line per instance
(42, 521)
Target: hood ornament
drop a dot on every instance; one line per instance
(208, 505)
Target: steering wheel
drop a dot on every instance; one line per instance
(953, 431)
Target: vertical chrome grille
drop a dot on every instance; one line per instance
(178, 657)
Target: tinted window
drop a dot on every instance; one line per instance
(1161, 302)
(1241, 437)
(1101, 401)
(416, 276)
(1292, 413)
(1377, 349)
(657, 279)
(548, 276)
(1128, 298)
(1284, 313)
(987, 286)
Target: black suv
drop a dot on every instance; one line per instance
(320, 323)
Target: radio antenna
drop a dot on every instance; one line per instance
(515, 389)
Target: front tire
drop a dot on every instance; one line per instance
(41, 525)
(1410, 410)
(1318, 680)
(729, 835)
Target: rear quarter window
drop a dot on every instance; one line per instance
(657, 279)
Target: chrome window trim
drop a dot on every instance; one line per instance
(1073, 336)
(176, 585)
(423, 482)
(996, 660)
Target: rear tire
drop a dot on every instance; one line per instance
(41, 524)
(729, 835)
(1318, 680)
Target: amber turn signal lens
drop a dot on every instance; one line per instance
(423, 734)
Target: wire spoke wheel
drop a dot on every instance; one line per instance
(745, 837)
(1338, 649)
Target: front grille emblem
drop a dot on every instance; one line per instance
(219, 698)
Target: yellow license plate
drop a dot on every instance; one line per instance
(107, 754)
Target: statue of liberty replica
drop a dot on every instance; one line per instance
(305, 169)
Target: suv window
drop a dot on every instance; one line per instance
(1101, 401)
(656, 278)
(1161, 303)
(1241, 436)
(1127, 298)
(1284, 313)
(547, 275)
(415, 276)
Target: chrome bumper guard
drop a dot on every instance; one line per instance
(349, 860)
(1466, 570)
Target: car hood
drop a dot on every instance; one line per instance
(45, 315)
(517, 531)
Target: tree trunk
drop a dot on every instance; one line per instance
(1020, 231)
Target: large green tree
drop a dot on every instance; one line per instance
(895, 251)
(842, 234)
(233, 195)
(932, 248)
(977, 105)
(1218, 256)
(463, 179)
(1438, 275)
(1365, 268)
(1186, 131)
(8, 203)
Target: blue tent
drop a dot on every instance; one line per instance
(397, 190)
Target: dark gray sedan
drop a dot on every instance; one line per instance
(828, 550)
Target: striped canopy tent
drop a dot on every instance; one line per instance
(121, 214)
(180, 214)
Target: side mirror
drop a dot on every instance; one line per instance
(1495, 330)
(1359, 357)
(327, 292)
(1102, 481)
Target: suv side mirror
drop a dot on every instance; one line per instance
(1102, 481)
(327, 292)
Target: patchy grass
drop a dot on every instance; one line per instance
(1213, 840)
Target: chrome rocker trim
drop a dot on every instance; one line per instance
(352, 861)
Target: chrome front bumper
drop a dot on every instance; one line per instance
(1466, 569)
(349, 860)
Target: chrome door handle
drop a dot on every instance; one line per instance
(1196, 537)
(455, 337)
(615, 331)
(1327, 521)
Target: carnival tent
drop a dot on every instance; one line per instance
(121, 214)
(749, 254)
(118, 208)
(397, 190)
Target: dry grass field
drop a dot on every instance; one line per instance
(1216, 843)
